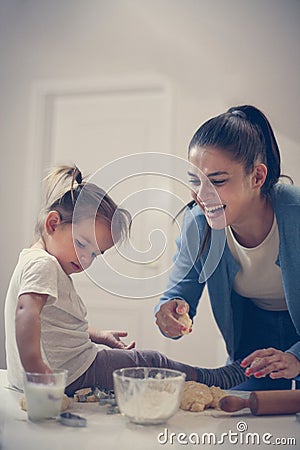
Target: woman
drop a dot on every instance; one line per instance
(241, 237)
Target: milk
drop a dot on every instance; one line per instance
(44, 393)
(43, 401)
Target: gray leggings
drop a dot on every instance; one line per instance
(108, 360)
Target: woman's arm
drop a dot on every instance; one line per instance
(183, 289)
(28, 332)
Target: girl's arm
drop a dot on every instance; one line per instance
(28, 332)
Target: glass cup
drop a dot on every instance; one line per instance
(44, 394)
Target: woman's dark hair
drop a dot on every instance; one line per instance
(246, 135)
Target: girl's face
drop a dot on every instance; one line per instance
(221, 187)
(76, 247)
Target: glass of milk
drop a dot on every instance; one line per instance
(44, 394)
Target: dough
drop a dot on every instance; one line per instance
(66, 402)
(197, 397)
(217, 394)
(186, 321)
(254, 362)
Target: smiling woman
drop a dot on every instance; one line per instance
(226, 194)
(234, 175)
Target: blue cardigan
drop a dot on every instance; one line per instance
(217, 267)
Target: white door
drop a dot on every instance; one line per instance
(93, 127)
(111, 131)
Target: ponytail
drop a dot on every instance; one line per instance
(271, 154)
(64, 186)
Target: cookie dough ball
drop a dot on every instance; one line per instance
(195, 397)
(217, 394)
(186, 321)
(253, 364)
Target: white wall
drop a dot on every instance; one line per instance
(214, 54)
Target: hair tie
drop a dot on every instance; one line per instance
(239, 113)
(78, 178)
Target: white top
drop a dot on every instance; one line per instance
(65, 340)
(259, 277)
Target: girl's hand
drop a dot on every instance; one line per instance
(272, 362)
(167, 318)
(111, 338)
(39, 367)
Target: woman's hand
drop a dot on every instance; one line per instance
(272, 362)
(167, 318)
(110, 338)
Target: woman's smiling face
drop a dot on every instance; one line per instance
(220, 187)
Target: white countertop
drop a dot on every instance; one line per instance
(110, 432)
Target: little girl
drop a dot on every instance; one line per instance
(46, 326)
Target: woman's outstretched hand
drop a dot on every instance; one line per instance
(272, 362)
(168, 315)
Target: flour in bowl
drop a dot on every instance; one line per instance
(151, 405)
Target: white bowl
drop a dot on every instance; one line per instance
(148, 395)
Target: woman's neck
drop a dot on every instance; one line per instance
(258, 225)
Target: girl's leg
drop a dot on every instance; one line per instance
(224, 377)
(108, 360)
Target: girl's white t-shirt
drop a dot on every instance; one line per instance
(65, 342)
(259, 277)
